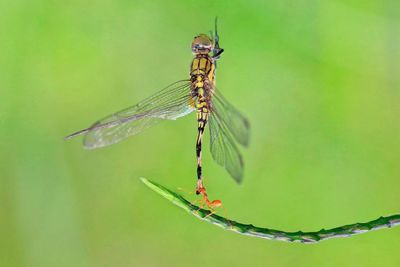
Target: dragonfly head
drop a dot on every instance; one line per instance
(202, 44)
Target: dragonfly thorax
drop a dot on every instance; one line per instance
(202, 70)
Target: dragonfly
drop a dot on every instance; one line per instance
(227, 126)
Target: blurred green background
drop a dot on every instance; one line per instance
(319, 81)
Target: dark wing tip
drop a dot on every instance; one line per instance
(246, 141)
(247, 125)
(239, 180)
(238, 175)
(76, 134)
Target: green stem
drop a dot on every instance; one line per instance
(250, 230)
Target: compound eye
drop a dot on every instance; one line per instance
(202, 44)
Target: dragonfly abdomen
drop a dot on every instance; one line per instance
(201, 68)
(202, 77)
(202, 118)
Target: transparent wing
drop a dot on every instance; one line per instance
(231, 119)
(170, 103)
(223, 148)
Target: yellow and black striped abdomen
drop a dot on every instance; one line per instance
(202, 113)
(202, 118)
(202, 78)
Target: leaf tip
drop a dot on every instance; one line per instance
(147, 182)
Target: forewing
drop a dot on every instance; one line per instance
(223, 149)
(231, 119)
(170, 103)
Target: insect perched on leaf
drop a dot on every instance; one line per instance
(227, 125)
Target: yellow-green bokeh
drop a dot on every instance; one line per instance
(319, 81)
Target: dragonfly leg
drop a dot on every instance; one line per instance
(217, 53)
